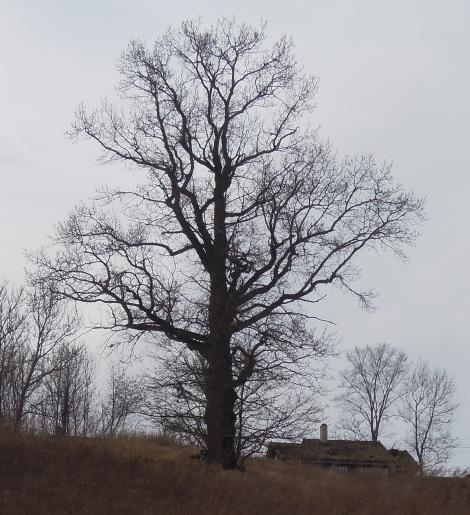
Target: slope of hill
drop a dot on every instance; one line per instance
(143, 476)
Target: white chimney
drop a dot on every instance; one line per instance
(323, 433)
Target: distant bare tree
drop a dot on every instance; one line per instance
(83, 413)
(428, 408)
(65, 404)
(245, 216)
(13, 338)
(50, 324)
(121, 400)
(33, 323)
(370, 386)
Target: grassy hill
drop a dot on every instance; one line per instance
(45, 475)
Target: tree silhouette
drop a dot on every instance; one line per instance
(244, 216)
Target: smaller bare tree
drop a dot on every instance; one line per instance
(370, 386)
(121, 400)
(428, 409)
(13, 337)
(64, 404)
(33, 323)
(50, 324)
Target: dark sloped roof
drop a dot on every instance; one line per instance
(340, 451)
(403, 458)
(347, 452)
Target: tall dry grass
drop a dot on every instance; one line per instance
(45, 475)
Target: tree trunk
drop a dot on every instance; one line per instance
(220, 390)
(65, 412)
(375, 434)
(220, 407)
(19, 413)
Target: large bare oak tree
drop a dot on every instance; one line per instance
(245, 215)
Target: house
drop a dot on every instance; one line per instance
(345, 455)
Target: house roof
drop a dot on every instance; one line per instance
(403, 458)
(344, 452)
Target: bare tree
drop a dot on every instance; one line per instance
(33, 323)
(370, 386)
(428, 408)
(13, 338)
(121, 400)
(245, 216)
(65, 403)
(50, 324)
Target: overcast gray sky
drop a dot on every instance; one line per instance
(394, 81)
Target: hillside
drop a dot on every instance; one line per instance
(143, 476)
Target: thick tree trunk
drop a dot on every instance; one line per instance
(220, 390)
(220, 413)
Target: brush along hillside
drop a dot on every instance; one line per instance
(47, 475)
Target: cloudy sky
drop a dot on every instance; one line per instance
(394, 81)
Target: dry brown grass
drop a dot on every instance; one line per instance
(44, 475)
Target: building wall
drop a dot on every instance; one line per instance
(366, 470)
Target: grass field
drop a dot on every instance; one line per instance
(45, 475)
